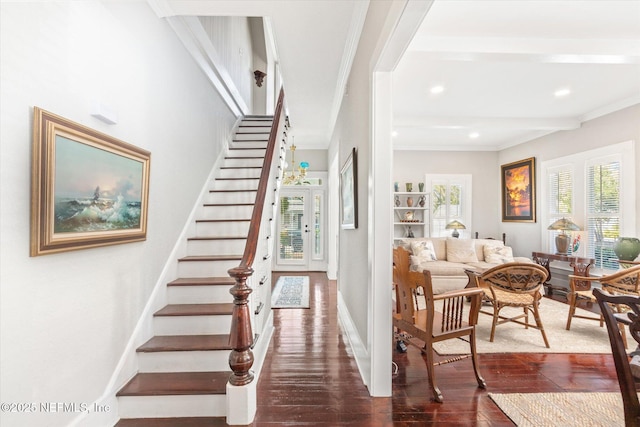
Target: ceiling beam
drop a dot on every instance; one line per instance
(478, 123)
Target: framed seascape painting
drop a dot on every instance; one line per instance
(519, 191)
(87, 188)
(349, 191)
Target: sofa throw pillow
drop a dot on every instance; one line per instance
(498, 254)
(461, 250)
(424, 249)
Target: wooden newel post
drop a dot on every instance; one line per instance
(241, 336)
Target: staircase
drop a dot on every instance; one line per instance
(184, 368)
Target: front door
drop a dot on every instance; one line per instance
(301, 230)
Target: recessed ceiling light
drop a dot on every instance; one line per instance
(394, 133)
(474, 135)
(436, 89)
(562, 92)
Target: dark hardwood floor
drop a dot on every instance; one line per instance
(310, 377)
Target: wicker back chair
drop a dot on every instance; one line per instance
(623, 282)
(514, 284)
(630, 317)
(419, 324)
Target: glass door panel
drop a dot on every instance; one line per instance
(291, 228)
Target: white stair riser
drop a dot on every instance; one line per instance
(191, 325)
(254, 127)
(234, 184)
(238, 173)
(240, 228)
(226, 212)
(207, 405)
(206, 268)
(256, 152)
(236, 161)
(216, 247)
(183, 361)
(231, 197)
(256, 145)
(262, 137)
(199, 294)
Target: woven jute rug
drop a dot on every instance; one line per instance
(585, 336)
(561, 409)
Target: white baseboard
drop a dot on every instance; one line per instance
(360, 351)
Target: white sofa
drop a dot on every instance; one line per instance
(447, 258)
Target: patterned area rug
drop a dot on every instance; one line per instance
(561, 409)
(585, 336)
(291, 292)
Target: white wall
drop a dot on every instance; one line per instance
(621, 126)
(66, 318)
(411, 166)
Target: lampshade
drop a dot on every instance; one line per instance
(455, 225)
(564, 224)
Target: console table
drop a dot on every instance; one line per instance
(580, 266)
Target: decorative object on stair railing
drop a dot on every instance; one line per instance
(296, 178)
(259, 76)
(349, 191)
(65, 217)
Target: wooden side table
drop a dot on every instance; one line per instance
(580, 267)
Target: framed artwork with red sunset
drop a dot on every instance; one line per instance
(519, 191)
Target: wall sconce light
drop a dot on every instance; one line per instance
(259, 76)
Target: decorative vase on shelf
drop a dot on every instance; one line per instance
(421, 187)
(409, 187)
(409, 201)
(396, 187)
(421, 201)
(627, 248)
(397, 201)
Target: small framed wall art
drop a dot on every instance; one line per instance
(87, 188)
(519, 191)
(349, 191)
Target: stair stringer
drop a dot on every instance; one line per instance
(127, 366)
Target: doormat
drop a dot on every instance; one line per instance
(291, 292)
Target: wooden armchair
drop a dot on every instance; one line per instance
(514, 284)
(417, 319)
(622, 282)
(504, 237)
(631, 317)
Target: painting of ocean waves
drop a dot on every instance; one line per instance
(95, 214)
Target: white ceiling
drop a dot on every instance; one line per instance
(499, 61)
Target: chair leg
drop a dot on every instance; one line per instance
(437, 395)
(526, 317)
(474, 360)
(536, 314)
(496, 315)
(572, 309)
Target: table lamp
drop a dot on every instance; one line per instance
(455, 225)
(563, 239)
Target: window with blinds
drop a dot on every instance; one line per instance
(594, 189)
(559, 198)
(603, 211)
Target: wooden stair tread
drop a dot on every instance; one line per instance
(240, 167)
(185, 343)
(195, 309)
(243, 157)
(202, 281)
(173, 422)
(233, 191)
(218, 238)
(176, 383)
(205, 258)
(228, 204)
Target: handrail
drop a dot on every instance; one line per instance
(241, 336)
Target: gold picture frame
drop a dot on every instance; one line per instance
(87, 189)
(519, 191)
